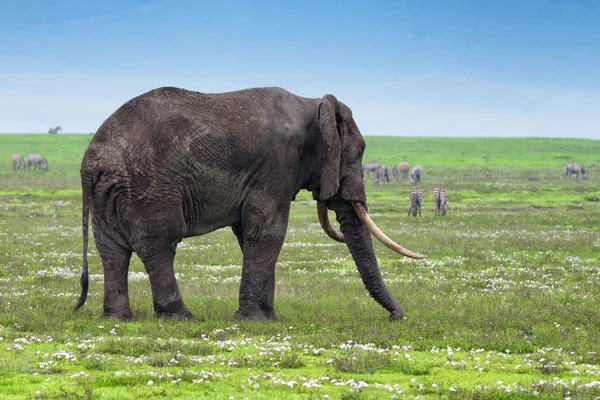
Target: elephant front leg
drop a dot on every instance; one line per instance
(257, 287)
(263, 237)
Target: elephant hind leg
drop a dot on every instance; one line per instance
(115, 263)
(156, 248)
(166, 296)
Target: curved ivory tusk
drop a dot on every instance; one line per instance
(326, 224)
(364, 217)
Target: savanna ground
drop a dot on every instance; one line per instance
(506, 305)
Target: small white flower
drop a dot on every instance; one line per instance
(150, 383)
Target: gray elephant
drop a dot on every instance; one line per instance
(18, 163)
(37, 161)
(173, 163)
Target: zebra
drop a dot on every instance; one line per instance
(417, 175)
(18, 163)
(574, 168)
(371, 166)
(416, 199)
(401, 168)
(439, 198)
(55, 130)
(383, 174)
(37, 161)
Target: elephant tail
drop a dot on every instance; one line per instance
(86, 190)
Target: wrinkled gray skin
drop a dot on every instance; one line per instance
(37, 161)
(18, 163)
(172, 164)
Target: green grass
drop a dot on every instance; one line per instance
(506, 306)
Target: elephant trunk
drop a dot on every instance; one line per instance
(358, 240)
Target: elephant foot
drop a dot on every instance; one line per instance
(397, 315)
(176, 310)
(123, 315)
(270, 315)
(253, 315)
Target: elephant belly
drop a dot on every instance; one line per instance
(204, 226)
(207, 210)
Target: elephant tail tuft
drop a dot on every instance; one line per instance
(86, 191)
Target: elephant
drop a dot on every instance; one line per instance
(37, 161)
(18, 163)
(173, 163)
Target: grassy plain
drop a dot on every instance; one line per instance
(506, 306)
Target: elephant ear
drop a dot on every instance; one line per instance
(329, 118)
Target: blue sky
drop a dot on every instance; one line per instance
(411, 68)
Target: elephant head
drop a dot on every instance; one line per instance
(342, 189)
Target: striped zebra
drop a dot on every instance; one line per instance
(416, 199)
(417, 175)
(401, 168)
(18, 163)
(383, 174)
(371, 166)
(439, 199)
(37, 161)
(574, 168)
(55, 130)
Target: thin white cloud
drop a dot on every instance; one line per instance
(80, 103)
(151, 5)
(481, 111)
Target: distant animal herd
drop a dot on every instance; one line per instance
(382, 175)
(35, 160)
